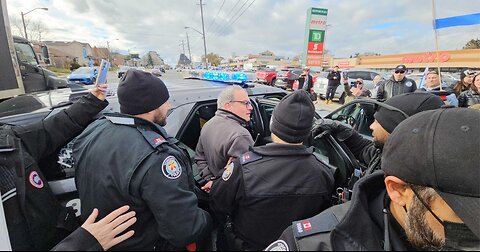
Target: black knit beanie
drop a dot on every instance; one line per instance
(410, 104)
(140, 92)
(292, 118)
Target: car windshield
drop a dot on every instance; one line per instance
(83, 70)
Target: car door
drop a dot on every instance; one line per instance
(358, 114)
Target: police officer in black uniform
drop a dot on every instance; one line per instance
(425, 198)
(128, 159)
(270, 186)
(387, 117)
(35, 219)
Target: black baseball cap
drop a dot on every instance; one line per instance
(401, 68)
(440, 149)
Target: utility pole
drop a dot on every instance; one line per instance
(204, 37)
(108, 48)
(183, 46)
(189, 53)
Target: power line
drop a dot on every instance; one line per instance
(231, 10)
(209, 26)
(226, 27)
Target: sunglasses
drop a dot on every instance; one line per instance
(399, 72)
(359, 82)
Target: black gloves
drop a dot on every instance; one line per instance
(322, 127)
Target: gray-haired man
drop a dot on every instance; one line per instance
(224, 135)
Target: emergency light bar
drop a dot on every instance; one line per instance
(220, 76)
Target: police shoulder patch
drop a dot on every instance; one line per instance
(408, 84)
(228, 171)
(171, 168)
(278, 245)
(35, 180)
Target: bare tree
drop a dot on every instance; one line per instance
(35, 29)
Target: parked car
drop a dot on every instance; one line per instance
(84, 75)
(121, 71)
(157, 72)
(286, 77)
(266, 76)
(321, 83)
(186, 118)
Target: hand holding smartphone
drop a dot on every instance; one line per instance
(102, 75)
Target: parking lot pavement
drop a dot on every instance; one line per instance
(320, 104)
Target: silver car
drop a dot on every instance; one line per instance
(367, 75)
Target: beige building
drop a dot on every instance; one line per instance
(76, 51)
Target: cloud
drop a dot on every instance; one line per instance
(385, 27)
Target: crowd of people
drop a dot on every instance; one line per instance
(420, 189)
(463, 93)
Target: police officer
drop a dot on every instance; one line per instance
(424, 199)
(127, 158)
(396, 85)
(35, 220)
(388, 116)
(270, 186)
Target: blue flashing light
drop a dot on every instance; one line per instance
(208, 76)
(224, 77)
(239, 77)
(215, 76)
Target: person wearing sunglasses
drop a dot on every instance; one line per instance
(397, 84)
(424, 198)
(359, 90)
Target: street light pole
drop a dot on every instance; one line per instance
(204, 39)
(189, 53)
(204, 44)
(23, 19)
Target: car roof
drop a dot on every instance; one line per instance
(191, 90)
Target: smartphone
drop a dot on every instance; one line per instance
(102, 75)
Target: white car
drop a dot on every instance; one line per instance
(367, 75)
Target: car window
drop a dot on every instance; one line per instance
(358, 115)
(195, 123)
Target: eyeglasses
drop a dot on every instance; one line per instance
(399, 72)
(359, 82)
(246, 103)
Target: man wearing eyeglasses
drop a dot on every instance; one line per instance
(224, 135)
(398, 84)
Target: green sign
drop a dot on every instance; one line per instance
(316, 36)
(318, 11)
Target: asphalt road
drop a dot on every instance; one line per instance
(172, 76)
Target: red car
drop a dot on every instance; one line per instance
(267, 76)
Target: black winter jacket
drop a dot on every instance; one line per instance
(268, 188)
(358, 225)
(35, 219)
(391, 87)
(468, 98)
(334, 78)
(124, 160)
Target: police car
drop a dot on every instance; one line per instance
(193, 102)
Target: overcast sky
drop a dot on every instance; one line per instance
(241, 27)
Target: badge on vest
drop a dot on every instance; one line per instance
(228, 171)
(171, 168)
(278, 245)
(35, 180)
(408, 84)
